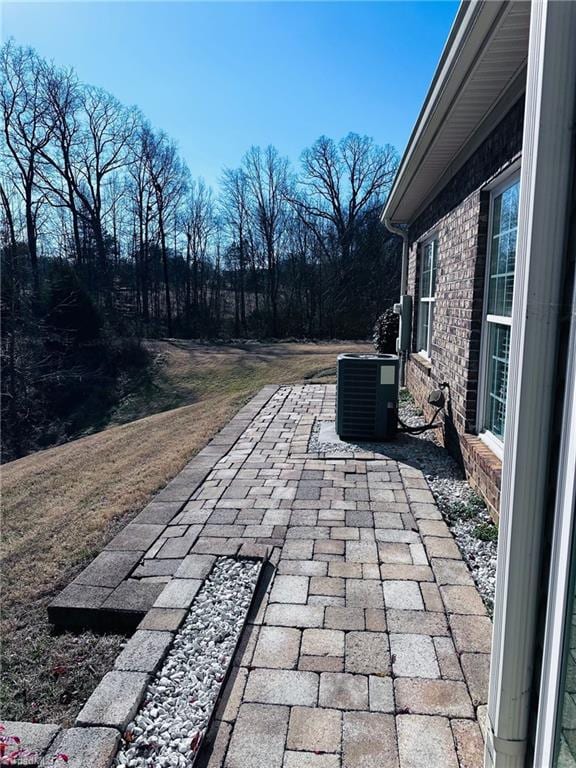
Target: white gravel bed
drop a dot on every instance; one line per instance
(462, 508)
(169, 727)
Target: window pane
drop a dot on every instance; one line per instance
(498, 356)
(423, 325)
(503, 251)
(425, 282)
(434, 259)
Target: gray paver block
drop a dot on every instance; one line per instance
(381, 694)
(361, 552)
(277, 647)
(364, 594)
(322, 642)
(471, 633)
(279, 686)
(476, 667)
(181, 545)
(417, 622)
(115, 701)
(413, 656)
(152, 567)
(144, 651)
(448, 698)
(297, 550)
(310, 760)
(195, 567)
(344, 618)
(447, 658)
(80, 596)
(341, 690)
(442, 548)
(133, 596)
(258, 737)
(179, 593)
(425, 741)
(314, 730)
(163, 619)
(218, 737)
(403, 595)
(469, 743)
(369, 741)
(295, 615)
(135, 537)
(465, 600)
(367, 653)
(34, 737)
(88, 747)
(451, 572)
(158, 512)
(289, 589)
(232, 697)
(108, 569)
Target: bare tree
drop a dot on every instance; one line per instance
(25, 131)
(267, 175)
(341, 180)
(168, 177)
(235, 207)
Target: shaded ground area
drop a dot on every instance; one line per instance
(60, 506)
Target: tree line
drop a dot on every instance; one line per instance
(103, 224)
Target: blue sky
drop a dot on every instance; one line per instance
(220, 76)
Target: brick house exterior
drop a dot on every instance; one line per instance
(484, 200)
(458, 218)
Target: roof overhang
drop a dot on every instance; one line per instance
(480, 75)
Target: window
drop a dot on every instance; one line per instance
(427, 295)
(498, 307)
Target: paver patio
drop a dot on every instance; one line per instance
(370, 647)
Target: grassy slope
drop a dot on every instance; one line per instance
(60, 506)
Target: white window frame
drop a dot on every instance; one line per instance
(430, 300)
(510, 177)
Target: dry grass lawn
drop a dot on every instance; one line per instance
(61, 505)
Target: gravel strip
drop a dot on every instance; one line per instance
(462, 508)
(168, 730)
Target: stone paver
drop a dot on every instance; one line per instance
(367, 653)
(273, 686)
(258, 738)
(424, 742)
(371, 645)
(34, 737)
(413, 656)
(314, 730)
(87, 747)
(144, 651)
(277, 647)
(403, 595)
(433, 697)
(343, 691)
(115, 700)
(369, 741)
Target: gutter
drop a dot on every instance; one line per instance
(395, 229)
(403, 233)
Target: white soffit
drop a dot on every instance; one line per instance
(486, 51)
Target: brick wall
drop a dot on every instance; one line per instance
(458, 217)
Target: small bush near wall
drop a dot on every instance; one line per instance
(386, 333)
